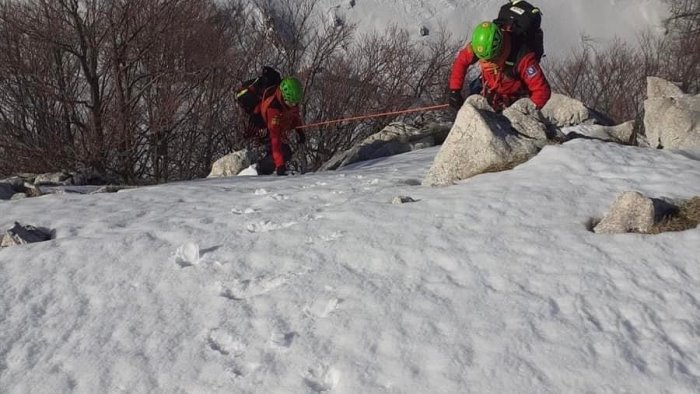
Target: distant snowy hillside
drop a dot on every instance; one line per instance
(318, 284)
(564, 20)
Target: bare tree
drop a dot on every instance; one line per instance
(123, 80)
(144, 89)
(613, 79)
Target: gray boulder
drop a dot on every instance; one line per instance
(31, 190)
(231, 164)
(479, 102)
(18, 196)
(21, 235)
(394, 139)
(671, 122)
(632, 212)
(479, 142)
(659, 87)
(528, 121)
(562, 111)
(53, 179)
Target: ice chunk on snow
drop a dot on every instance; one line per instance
(250, 171)
(187, 254)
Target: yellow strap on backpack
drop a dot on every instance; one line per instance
(241, 93)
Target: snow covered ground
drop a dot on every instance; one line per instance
(316, 283)
(564, 21)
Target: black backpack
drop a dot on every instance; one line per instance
(524, 21)
(251, 93)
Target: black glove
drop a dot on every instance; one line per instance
(455, 99)
(281, 170)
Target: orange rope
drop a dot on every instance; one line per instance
(407, 111)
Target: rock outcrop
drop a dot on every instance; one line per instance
(480, 141)
(394, 139)
(671, 118)
(562, 111)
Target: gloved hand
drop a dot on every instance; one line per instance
(455, 99)
(281, 170)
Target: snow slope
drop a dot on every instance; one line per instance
(316, 283)
(564, 21)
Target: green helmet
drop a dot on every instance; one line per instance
(292, 90)
(486, 40)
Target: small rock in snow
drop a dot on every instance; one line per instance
(23, 234)
(187, 254)
(402, 200)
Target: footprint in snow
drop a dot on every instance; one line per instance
(322, 378)
(242, 290)
(282, 340)
(323, 307)
(311, 217)
(223, 343)
(247, 211)
(267, 226)
(334, 236)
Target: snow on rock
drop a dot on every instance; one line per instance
(249, 171)
(671, 121)
(231, 164)
(479, 142)
(622, 133)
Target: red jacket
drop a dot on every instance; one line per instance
(280, 118)
(502, 87)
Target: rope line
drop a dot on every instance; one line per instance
(406, 111)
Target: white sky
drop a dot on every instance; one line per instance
(316, 283)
